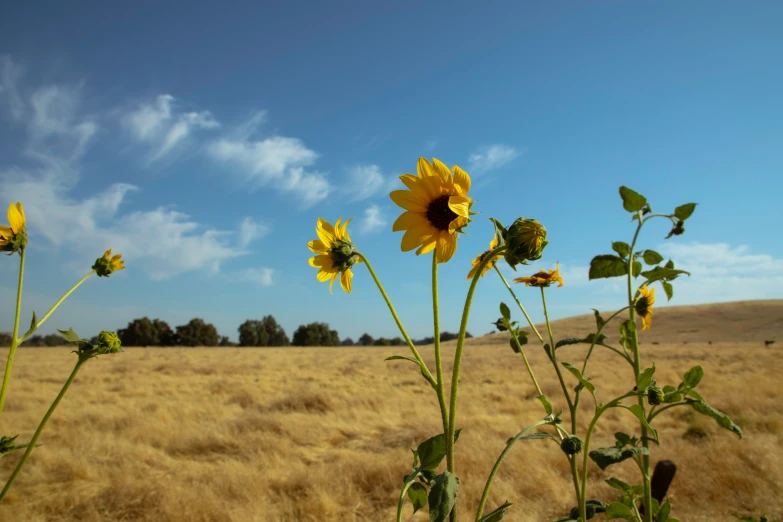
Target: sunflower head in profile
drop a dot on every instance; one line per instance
(526, 241)
(108, 264)
(490, 264)
(643, 305)
(437, 208)
(14, 237)
(543, 279)
(336, 253)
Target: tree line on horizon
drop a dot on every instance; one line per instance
(145, 332)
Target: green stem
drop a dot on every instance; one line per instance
(499, 461)
(590, 351)
(522, 308)
(438, 366)
(637, 370)
(14, 341)
(402, 499)
(54, 307)
(458, 356)
(553, 357)
(424, 369)
(657, 412)
(41, 426)
(527, 364)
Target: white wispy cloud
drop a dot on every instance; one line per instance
(160, 124)
(57, 131)
(364, 181)
(373, 220)
(249, 231)
(10, 74)
(260, 276)
(492, 157)
(277, 161)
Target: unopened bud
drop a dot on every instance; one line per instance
(571, 445)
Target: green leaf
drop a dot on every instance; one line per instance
(33, 324)
(672, 394)
(567, 341)
(625, 487)
(669, 289)
(605, 457)
(632, 201)
(683, 212)
(639, 412)
(599, 321)
(505, 312)
(497, 514)
(70, 335)
(607, 265)
(645, 378)
(619, 510)
(417, 494)
(694, 395)
(692, 377)
(637, 268)
(575, 371)
(500, 231)
(651, 257)
(721, 418)
(432, 450)
(669, 264)
(411, 359)
(627, 328)
(443, 496)
(663, 513)
(662, 273)
(546, 403)
(621, 248)
(623, 438)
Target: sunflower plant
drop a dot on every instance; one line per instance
(13, 240)
(437, 208)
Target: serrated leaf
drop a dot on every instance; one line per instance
(669, 289)
(69, 335)
(693, 377)
(645, 378)
(662, 273)
(639, 413)
(417, 494)
(432, 450)
(505, 312)
(721, 418)
(651, 257)
(497, 514)
(619, 510)
(632, 200)
(683, 212)
(623, 249)
(443, 496)
(605, 457)
(576, 373)
(607, 265)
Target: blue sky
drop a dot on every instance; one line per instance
(203, 143)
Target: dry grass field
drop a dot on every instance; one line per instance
(324, 434)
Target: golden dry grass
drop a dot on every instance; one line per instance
(230, 434)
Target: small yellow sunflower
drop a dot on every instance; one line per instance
(12, 237)
(476, 262)
(644, 304)
(104, 266)
(543, 278)
(436, 208)
(336, 253)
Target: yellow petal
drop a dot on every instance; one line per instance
(408, 220)
(443, 171)
(428, 245)
(321, 262)
(456, 223)
(459, 205)
(409, 180)
(6, 232)
(461, 179)
(409, 200)
(494, 243)
(323, 275)
(325, 232)
(16, 217)
(424, 168)
(447, 246)
(345, 280)
(344, 231)
(472, 272)
(317, 246)
(414, 237)
(107, 254)
(331, 283)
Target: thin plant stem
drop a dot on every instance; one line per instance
(436, 326)
(41, 427)
(522, 308)
(54, 307)
(527, 364)
(14, 341)
(424, 369)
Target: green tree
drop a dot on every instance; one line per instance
(165, 335)
(198, 333)
(366, 340)
(140, 332)
(382, 341)
(347, 342)
(54, 340)
(5, 339)
(316, 334)
(265, 332)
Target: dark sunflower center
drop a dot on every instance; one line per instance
(642, 306)
(439, 213)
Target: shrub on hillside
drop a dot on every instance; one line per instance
(265, 332)
(315, 334)
(197, 333)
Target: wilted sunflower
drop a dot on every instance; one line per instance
(437, 208)
(543, 278)
(644, 304)
(12, 237)
(336, 253)
(491, 263)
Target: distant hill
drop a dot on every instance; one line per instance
(737, 321)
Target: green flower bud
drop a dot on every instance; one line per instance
(6, 444)
(343, 254)
(108, 342)
(655, 395)
(571, 445)
(499, 325)
(526, 241)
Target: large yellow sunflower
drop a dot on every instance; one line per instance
(436, 208)
(336, 253)
(544, 278)
(16, 222)
(644, 304)
(479, 258)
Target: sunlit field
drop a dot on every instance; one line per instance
(321, 434)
